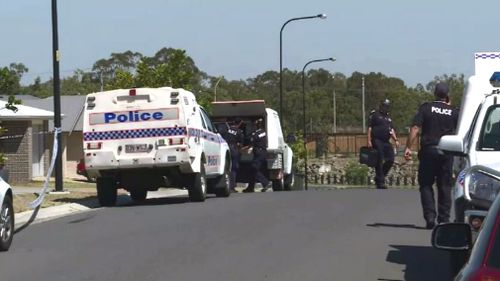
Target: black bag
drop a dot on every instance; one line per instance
(368, 156)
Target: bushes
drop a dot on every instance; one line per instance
(356, 173)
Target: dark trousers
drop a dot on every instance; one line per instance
(385, 160)
(235, 165)
(259, 161)
(435, 167)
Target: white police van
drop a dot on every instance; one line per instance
(145, 138)
(477, 141)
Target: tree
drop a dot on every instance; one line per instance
(10, 78)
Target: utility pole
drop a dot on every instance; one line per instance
(363, 102)
(57, 97)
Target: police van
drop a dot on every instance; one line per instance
(477, 141)
(142, 139)
(279, 154)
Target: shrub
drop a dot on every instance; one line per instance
(356, 173)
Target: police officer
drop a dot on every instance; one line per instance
(434, 119)
(234, 138)
(380, 131)
(258, 141)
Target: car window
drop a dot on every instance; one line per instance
(210, 126)
(471, 129)
(494, 258)
(489, 139)
(203, 121)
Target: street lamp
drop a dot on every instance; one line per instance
(215, 88)
(304, 112)
(320, 16)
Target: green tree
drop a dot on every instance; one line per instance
(10, 78)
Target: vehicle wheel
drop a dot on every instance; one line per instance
(198, 189)
(222, 187)
(138, 195)
(278, 184)
(289, 179)
(6, 224)
(106, 191)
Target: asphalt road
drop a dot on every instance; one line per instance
(308, 235)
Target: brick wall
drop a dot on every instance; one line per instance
(17, 148)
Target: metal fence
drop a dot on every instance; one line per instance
(333, 179)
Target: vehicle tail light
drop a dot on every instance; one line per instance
(131, 92)
(476, 222)
(94, 145)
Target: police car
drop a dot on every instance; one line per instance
(477, 141)
(145, 138)
(6, 216)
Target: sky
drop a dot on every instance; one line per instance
(412, 40)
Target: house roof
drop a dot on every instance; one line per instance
(24, 112)
(71, 108)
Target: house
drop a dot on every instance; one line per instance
(71, 126)
(25, 144)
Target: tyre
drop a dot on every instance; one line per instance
(197, 190)
(6, 224)
(106, 191)
(222, 187)
(289, 179)
(278, 184)
(138, 195)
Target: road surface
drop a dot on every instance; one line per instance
(359, 234)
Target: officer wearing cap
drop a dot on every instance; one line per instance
(258, 141)
(234, 138)
(380, 131)
(433, 120)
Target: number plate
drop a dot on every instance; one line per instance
(136, 148)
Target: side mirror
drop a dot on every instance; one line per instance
(452, 237)
(452, 145)
(291, 138)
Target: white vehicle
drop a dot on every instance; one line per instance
(145, 138)
(6, 216)
(279, 154)
(477, 140)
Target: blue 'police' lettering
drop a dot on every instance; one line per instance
(131, 116)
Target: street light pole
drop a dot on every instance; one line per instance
(320, 16)
(304, 113)
(215, 88)
(57, 97)
(363, 103)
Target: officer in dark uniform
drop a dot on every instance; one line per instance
(234, 138)
(434, 119)
(380, 131)
(258, 141)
